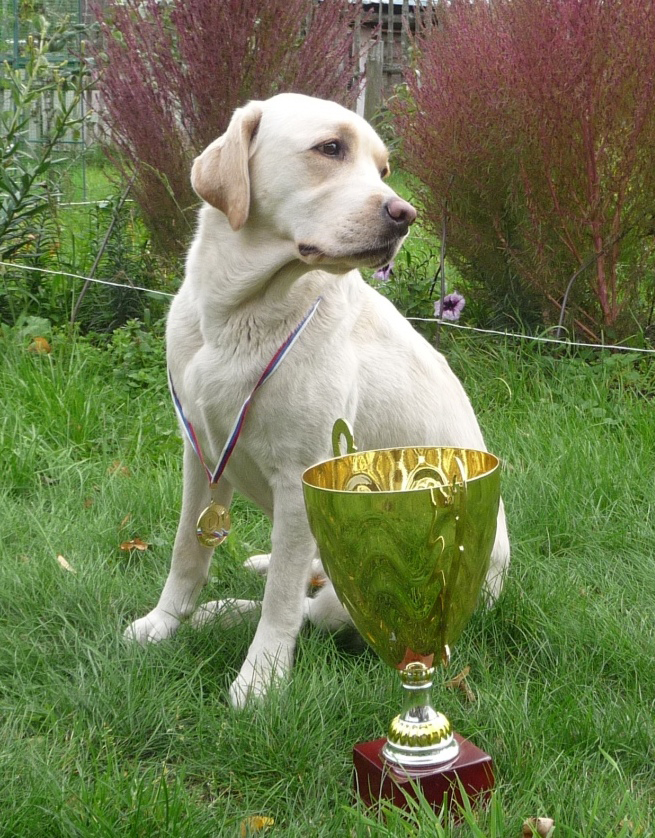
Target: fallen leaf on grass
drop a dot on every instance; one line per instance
(40, 346)
(118, 468)
(253, 824)
(543, 827)
(135, 544)
(459, 683)
(634, 830)
(62, 562)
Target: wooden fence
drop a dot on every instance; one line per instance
(383, 30)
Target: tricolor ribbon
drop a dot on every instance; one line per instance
(273, 364)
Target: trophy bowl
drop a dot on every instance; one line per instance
(405, 535)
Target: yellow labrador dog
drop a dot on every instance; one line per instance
(295, 202)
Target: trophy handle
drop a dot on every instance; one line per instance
(341, 430)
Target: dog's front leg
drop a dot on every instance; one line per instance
(271, 652)
(190, 562)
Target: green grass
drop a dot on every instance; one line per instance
(101, 738)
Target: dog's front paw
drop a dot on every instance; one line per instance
(154, 627)
(259, 673)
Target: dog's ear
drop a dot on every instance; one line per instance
(220, 174)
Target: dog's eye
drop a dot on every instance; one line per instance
(331, 149)
(385, 172)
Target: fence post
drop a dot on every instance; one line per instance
(357, 41)
(374, 80)
(404, 30)
(390, 51)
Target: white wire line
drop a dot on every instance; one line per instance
(535, 338)
(102, 204)
(87, 279)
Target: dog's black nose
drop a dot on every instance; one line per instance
(401, 213)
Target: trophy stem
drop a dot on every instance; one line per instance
(420, 736)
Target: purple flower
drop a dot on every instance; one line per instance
(452, 306)
(384, 274)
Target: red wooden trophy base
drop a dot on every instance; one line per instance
(376, 779)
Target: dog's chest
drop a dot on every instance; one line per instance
(223, 403)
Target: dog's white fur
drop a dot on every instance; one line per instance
(294, 203)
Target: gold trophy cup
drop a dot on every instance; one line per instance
(405, 535)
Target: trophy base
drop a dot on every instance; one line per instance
(376, 779)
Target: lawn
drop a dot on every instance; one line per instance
(101, 738)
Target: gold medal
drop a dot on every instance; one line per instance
(213, 525)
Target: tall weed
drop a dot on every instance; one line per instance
(170, 76)
(534, 122)
(51, 88)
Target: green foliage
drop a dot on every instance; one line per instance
(48, 89)
(107, 237)
(138, 356)
(26, 167)
(118, 246)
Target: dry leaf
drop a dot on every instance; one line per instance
(65, 564)
(135, 544)
(40, 346)
(459, 682)
(634, 830)
(543, 827)
(118, 468)
(124, 521)
(255, 823)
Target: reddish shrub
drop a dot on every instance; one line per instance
(536, 120)
(170, 75)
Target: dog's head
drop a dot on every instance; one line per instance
(309, 172)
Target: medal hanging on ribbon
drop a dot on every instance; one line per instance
(213, 525)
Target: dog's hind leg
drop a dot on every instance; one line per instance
(499, 564)
(325, 611)
(260, 564)
(226, 612)
(231, 612)
(190, 563)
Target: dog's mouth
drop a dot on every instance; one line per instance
(374, 257)
(309, 252)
